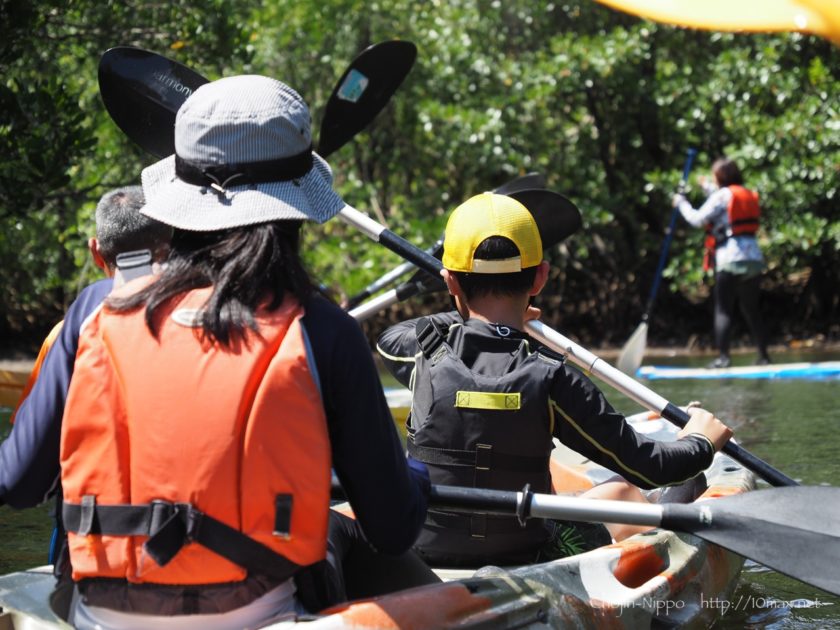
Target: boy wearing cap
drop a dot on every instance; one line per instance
(487, 400)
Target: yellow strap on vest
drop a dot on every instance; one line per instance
(488, 400)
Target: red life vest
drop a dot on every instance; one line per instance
(743, 214)
(183, 462)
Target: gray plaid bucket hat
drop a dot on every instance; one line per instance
(243, 155)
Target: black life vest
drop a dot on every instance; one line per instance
(480, 431)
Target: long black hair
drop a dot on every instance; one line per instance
(247, 267)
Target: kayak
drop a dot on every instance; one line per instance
(658, 577)
(817, 370)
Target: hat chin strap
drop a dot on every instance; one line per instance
(219, 176)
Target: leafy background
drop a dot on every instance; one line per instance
(604, 104)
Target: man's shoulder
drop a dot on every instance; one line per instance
(85, 304)
(93, 294)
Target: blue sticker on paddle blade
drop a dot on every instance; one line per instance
(353, 86)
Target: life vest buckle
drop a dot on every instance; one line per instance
(171, 526)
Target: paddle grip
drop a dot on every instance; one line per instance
(685, 518)
(402, 247)
(761, 468)
(475, 499)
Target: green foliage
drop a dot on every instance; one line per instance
(603, 104)
(59, 151)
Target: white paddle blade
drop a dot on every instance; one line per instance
(633, 351)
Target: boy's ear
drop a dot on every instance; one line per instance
(452, 284)
(454, 288)
(540, 278)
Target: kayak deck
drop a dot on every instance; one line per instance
(657, 577)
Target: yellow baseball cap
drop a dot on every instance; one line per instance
(481, 217)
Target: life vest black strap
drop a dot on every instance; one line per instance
(745, 226)
(490, 461)
(169, 527)
(429, 338)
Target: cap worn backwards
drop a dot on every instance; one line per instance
(243, 155)
(482, 217)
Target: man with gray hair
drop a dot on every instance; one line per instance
(121, 228)
(29, 468)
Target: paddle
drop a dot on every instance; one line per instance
(543, 204)
(388, 278)
(577, 354)
(821, 17)
(421, 282)
(555, 215)
(795, 531)
(362, 92)
(523, 182)
(631, 354)
(143, 91)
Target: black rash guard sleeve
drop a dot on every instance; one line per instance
(388, 498)
(586, 422)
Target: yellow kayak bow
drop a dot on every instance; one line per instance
(819, 17)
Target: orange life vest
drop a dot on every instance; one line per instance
(48, 342)
(186, 463)
(743, 214)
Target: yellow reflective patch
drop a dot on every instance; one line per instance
(488, 400)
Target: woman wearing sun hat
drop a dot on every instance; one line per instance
(210, 403)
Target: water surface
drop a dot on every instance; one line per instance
(791, 424)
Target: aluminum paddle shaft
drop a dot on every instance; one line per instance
(649, 399)
(576, 354)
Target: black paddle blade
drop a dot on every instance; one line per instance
(794, 530)
(142, 92)
(525, 182)
(362, 92)
(557, 218)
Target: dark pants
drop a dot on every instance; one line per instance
(743, 289)
(355, 570)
